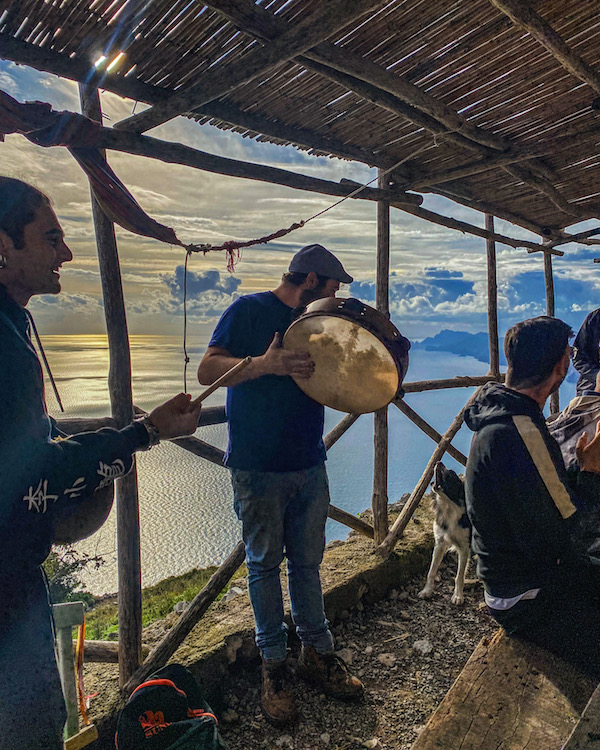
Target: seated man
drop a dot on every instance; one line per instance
(586, 352)
(524, 506)
(39, 475)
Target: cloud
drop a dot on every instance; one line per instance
(199, 283)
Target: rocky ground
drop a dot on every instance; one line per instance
(407, 652)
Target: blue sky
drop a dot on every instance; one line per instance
(438, 276)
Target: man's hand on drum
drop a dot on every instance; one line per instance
(279, 361)
(176, 417)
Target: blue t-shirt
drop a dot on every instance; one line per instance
(273, 425)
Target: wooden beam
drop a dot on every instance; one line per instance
(565, 238)
(463, 226)
(492, 299)
(341, 427)
(341, 516)
(428, 429)
(515, 155)
(49, 61)
(386, 547)
(121, 398)
(523, 15)
(500, 212)
(176, 153)
(161, 653)
(325, 21)
(462, 381)
(385, 88)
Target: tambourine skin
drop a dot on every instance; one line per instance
(360, 356)
(82, 517)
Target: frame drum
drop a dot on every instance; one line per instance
(360, 356)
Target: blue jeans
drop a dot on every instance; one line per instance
(284, 512)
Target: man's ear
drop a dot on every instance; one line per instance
(312, 280)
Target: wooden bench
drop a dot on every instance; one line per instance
(509, 696)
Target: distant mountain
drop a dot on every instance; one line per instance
(461, 343)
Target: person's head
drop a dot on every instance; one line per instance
(317, 272)
(537, 351)
(32, 246)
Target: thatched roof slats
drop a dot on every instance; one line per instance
(539, 28)
(464, 56)
(295, 41)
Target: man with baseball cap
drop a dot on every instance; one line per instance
(277, 462)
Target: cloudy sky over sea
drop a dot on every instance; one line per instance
(437, 274)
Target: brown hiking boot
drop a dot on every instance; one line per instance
(328, 672)
(277, 696)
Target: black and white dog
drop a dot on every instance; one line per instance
(451, 529)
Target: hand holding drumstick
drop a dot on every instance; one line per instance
(179, 415)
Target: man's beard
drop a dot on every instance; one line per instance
(310, 295)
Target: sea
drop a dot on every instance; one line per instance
(186, 506)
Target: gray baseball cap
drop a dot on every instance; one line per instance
(318, 259)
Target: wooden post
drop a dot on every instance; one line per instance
(388, 544)
(492, 293)
(379, 501)
(161, 653)
(119, 384)
(549, 278)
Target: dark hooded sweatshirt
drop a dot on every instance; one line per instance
(524, 526)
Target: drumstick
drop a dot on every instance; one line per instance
(221, 381)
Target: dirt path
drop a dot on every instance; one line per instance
(404, 683)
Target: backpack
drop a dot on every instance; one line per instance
(167, 712)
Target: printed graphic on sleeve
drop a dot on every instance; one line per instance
(110, 471)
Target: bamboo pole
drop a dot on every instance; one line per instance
(428, 429)
(379, 499)
(386, 547)
(492, 299)
(550, 311)
(119, 383)
(159, 655)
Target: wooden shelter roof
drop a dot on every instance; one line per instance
(494, 103)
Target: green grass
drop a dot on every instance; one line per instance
(102, 621)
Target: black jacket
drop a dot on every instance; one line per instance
(521, 531)
(38, 473)
(586, 356)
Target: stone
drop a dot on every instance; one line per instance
(368, 651)
(422, 647)
(346, 655)
(285, 741)
(230, 716)
(388, 660)
(403, 595)
(372, 744)
(393, 594)
(325, 738)
(180, 607)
